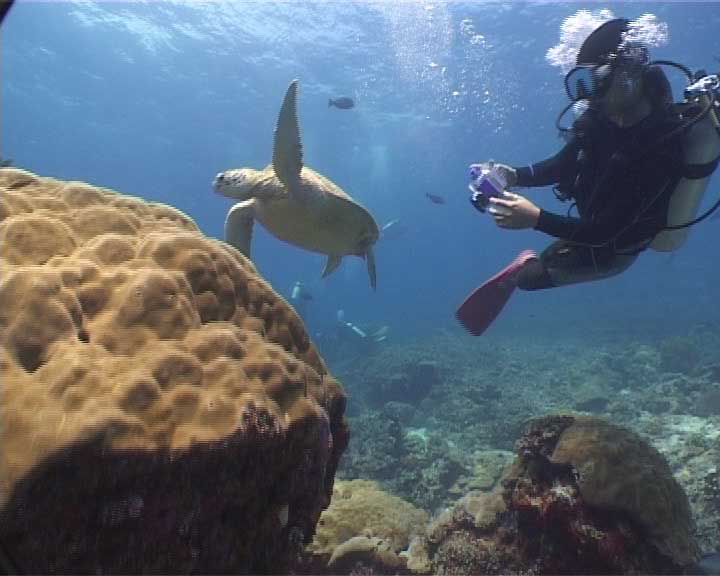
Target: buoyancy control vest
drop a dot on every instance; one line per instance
(684, 136)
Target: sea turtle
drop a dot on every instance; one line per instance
(295, 203)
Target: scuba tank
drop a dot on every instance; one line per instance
(701, 147)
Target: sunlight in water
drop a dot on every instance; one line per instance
(453, 64)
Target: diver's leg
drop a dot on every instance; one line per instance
(564, 263)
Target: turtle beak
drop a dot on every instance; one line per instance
(218, 182)
(233, 184)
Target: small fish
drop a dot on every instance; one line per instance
(435, 199)
(5, 162)
(343, 102)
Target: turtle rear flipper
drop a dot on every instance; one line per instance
(370, 256)
(331, 265)
(287, 149)
(239, 225)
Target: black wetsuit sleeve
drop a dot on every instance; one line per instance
(618, 220)
(551, 170)
(569, 228)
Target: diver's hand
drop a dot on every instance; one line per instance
(514, 211)
(507, 172)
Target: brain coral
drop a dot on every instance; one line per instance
(363, 531)
(162, 408)
(363, 508)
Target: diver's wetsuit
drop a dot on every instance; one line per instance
(621, 180)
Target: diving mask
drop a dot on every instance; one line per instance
(588, 82)
(592, 81)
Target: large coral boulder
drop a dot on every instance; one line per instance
(616, 470)
(584, 496)
(163, 409)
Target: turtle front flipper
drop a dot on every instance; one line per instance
(370, 256)
(287, 149)
(239, 225)
(331, 265)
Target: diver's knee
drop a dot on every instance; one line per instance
(534, 276)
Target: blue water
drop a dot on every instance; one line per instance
(153, 99)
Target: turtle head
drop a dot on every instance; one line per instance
(238, 183)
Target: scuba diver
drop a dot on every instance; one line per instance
(348, 332)
(345, 339)
(300, 298)
(635, 166)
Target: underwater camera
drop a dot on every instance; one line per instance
(486, 182)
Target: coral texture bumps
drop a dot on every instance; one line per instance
(163, 409)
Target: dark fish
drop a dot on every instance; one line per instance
(5, 6)
(435, 199)
(343, 102)
(5, 162)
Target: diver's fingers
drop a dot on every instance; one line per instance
(502, 202)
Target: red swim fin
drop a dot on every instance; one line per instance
(484, 303)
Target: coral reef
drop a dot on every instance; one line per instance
(364, 526)
(708, 402)
(404, 374)
(377, 455)
(418, 466)
(583, 497)
(428, 453)
(488, 468)
(409, 385)
(692, 446)
(683, 354)
(163, 409)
